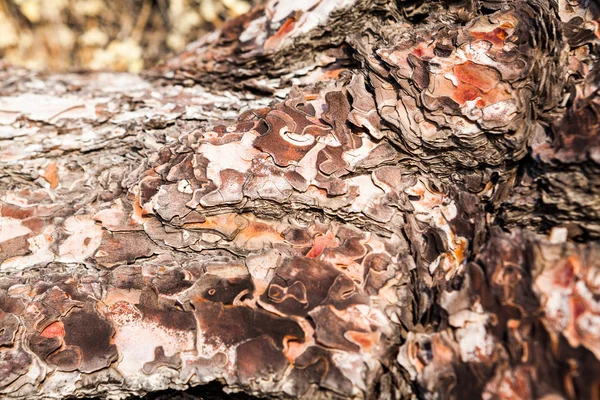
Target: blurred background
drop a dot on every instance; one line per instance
(122, 35)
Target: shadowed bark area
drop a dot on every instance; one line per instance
(325, 199)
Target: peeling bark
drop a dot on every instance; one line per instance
(325, 199)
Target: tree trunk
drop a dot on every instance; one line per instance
(325, 199)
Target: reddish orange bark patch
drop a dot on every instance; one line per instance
(496, 37)
(12, 211)
(51, 175)
(223, 223)
(578, 307)
(566, 272)
(137, 208)
(479, 76)
(320, 243)
(466, 93)
(333, 73)
(35, 224)
(55, 329)
(256, 229)
(460, 250)
(363, 339)
(285, 28)
(293, 349)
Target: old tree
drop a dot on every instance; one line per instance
(324, 199)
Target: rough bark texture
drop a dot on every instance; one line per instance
(326, 199)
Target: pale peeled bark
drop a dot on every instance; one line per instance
(342, 238)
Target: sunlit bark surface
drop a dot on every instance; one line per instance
(326, 199)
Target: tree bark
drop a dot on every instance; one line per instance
(325, 199)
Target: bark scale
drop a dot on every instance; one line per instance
(325, 199)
